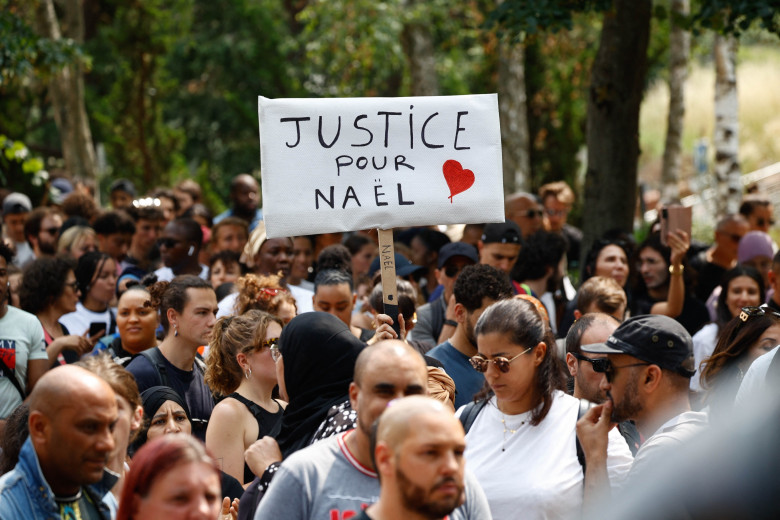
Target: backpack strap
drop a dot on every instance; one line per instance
(11, 374)
(157, 360)
(470, 413)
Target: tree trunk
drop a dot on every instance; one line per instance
(679, 50)
(513, 113)
(418, 46)
(614, 98)
(728, 187)
(67, 93)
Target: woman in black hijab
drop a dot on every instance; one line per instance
(318, 354)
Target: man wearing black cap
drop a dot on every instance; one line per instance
(500, 245)
(16, 207)
(436, 320)
(646, 377)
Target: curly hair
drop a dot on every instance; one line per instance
(262, 292)
(173, 295)
(477, 282)
(233, 335)
(522, 322)
(542, 250)
(78, 204)
(43, 281)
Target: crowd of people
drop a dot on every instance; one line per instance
(158, 362)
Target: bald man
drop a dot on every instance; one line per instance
(245, 199)
(418, 453)
(61, 469)
(335, 478)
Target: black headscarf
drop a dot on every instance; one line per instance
(152, 399)
(319, 353)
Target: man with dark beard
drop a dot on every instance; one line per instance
(335, 478)
(477, 288)
(646, 376)
(418, 454)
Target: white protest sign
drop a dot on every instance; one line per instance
(345, 164)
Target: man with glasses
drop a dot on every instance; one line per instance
(646, 376)
(42, 230)
(711, 263)
(585, 382)
(524, 210)
(477, 288)
(436, 320)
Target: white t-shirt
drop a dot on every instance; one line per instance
(21, 340)
(534, 473)
(704, 343)
(303, 303)
(78, 322)
(165, 274)
(754, 384)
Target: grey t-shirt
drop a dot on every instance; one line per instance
(325, 481)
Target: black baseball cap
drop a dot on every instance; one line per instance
(503, 233)
(457, 249)
(653, 338)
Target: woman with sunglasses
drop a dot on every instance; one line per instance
(240, 367)
(741, 287)
(753, 333)
(527, 423)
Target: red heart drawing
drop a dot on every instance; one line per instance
(458, 179)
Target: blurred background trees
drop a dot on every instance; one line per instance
(156, 91)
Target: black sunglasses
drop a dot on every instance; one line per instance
(605, 366)
(52, 230)
(748, 312)
(579, 356)
(168, 243)
(532, 213)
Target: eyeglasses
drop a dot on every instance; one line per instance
(605, 366)
(748, 312)
(167, 243)
(480, 364)
(556, 212)
(452, 270)
(73, 285)
(276, 354)
(52, 230)
(592, 361)
(532, 213)
(761, 222)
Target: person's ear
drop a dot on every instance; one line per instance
(172, 316)
(383, 458)
(577, 314)
(354, 391)
(241, 360)
(38, 426)
(571, 364)
(137, 418)
(354, 299)
(539, 352)
(460, 313)
(652, 378)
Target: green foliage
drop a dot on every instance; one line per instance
(24, 54)
(532, 16)
(737, 16)
(19, 170)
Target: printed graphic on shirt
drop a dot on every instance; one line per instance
(8, 354)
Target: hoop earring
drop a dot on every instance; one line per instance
(175, 331)
(192, 250)
(249, 373)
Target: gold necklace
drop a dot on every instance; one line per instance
(507, 429)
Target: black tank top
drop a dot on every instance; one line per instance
(268, 423)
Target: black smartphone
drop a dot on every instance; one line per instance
(95, 328)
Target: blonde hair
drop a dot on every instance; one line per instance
(72, 237)
(602, 291)
(257, 292)
(233, 335)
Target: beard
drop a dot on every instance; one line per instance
(415, 498)
(594, 395)
(629, 407)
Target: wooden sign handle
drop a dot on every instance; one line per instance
(387, 266)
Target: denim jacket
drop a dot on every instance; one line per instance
(24, 492)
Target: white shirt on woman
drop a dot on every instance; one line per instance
(534, 473)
